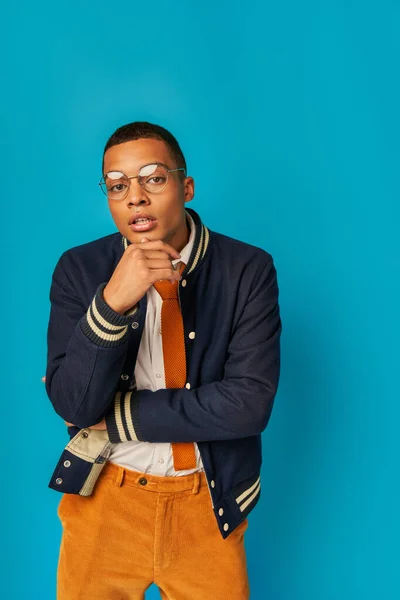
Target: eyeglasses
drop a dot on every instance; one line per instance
(152, 178)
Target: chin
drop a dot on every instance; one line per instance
(136, 236)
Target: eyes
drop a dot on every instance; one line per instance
(118, 187)
(153, 178)
(146, 182)
(156, 180)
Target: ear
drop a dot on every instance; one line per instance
(188, 188)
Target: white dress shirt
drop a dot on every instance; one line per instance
(149, 457)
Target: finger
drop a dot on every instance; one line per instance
(156, 254)
(43, 379)
(159, 264)
(157, 245)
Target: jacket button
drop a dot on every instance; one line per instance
(183, 283)
(143, 481)
(212, 483)
(124, 376)
(58, 480)
(135, 325)
(67, 463)
(192, 335)
(221, 512)
(226, 526)
(187, 386)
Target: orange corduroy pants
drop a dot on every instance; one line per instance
(136, 529)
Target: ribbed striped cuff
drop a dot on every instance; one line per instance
(122, 419)
(103, 325)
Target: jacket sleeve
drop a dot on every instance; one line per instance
(237, 406)
(86, 349)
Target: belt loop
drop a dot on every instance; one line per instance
(119, 478)
(196, 482)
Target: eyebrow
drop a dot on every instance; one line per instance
(154, 162)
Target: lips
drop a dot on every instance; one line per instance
(140, 225)
(141, 216)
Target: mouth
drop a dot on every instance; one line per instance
(143, 224)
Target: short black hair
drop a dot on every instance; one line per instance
(143, 129)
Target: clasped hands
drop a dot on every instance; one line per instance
(101, 425)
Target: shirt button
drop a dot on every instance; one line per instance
(159, 331)
(183, 283)
(192, 335)
(85, 434)
(67, 463)
(161, 460)
(212, 483)
(143, 481)
(226, 526)
(58, 480)
(158, 375)
(221, 512)
(135, 325)
(187, 386)
(124, 376)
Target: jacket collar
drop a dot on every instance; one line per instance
(200, 246)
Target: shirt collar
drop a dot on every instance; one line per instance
(187, 250)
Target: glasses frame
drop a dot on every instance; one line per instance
(103, 181)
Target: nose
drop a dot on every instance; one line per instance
(136, 194)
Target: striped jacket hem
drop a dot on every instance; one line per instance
(248, 493)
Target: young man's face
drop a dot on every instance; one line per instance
(166, 207)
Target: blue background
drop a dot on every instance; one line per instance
(288, 114)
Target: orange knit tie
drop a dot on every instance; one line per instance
(175, 359)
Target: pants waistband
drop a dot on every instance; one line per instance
(154, 483)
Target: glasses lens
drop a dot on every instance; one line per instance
(153, 178)
(116, 185)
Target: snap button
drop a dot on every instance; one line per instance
(192, 335)
(124, 376)
(226, 526)
(67, 463)
(187, 386)
(143, 481)
(212, 483)
(58, 480)
(135, 325)
(221, 512)
(183, 283)
(85, 434)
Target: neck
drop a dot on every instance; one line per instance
(181, 237)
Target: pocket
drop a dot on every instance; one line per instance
(60, 506)
(67, 506)
(75, 508)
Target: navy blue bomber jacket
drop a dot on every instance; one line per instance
(229, 300)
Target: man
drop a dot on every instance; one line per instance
(163, 360)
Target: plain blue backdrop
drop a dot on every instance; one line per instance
(288, 114)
